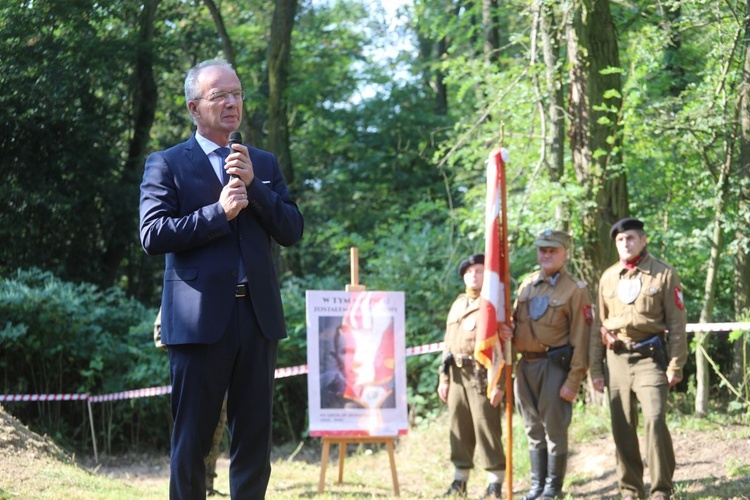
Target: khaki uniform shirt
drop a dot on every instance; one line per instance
(656, 306)
(461, 331)
(566, 320)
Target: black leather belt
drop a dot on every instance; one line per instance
(461, 359)
(528, 356)
(241, 290)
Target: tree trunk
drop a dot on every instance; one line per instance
(231, 57)
(491, 32)
(441, 89)
(742, 259)
(144, 110)
(278, 70)
(595, 97)
(555, 137)
(672, 50)
(709, 291)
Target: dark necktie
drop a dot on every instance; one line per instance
(223, 153)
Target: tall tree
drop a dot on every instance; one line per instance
(279, 50)
(491, 31)
(248, 133)
(552, 94)
(709, 293)
(595, 104)
(742, 233)
(144, 94)
(62, 124)
(673, 65)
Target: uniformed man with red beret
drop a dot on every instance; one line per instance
(642, 323)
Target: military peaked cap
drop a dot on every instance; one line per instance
(625, 225)
(552, 238)
(474, 259)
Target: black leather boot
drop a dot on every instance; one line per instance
(457, 489)
(555, 474)
(538, 462)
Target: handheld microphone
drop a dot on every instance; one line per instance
(234, 138)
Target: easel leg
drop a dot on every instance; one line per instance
(342, 442)
(392, 458)
(342, 457)
(323, 464)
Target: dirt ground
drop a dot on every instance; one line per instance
(705, 459)
(708, 461)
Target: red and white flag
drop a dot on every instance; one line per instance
(492, 308)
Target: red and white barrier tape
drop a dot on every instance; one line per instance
(424, 349)
(138, 393)
(290, 372)
(42, 397)
(717, 327)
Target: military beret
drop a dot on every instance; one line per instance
(552, 238)
(474, 259)
(625, 224)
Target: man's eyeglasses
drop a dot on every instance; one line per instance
(222, 97)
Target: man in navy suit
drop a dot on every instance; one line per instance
(222, 316)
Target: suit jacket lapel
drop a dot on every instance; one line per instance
(202, 165)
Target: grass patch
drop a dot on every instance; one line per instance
(423, 466)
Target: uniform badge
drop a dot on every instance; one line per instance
(628, 290)
(678, 299)
(588, 314)
(538, 306)
(469, 323)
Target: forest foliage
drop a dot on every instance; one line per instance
(391, 115)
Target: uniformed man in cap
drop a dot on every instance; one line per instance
(553, 319)
(642, 322)
(474, 419)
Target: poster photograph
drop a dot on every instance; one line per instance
(356, 357)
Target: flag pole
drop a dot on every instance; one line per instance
(505, 261)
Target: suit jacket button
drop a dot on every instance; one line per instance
(234, 274)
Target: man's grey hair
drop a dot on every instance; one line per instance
(191, 80)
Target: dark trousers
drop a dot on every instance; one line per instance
(241, 365)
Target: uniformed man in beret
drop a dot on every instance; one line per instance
(553, 319)
(474, 419)
(642, 322)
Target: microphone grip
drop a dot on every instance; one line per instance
(234, 138)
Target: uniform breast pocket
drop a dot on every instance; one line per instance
(452, 324)
(614, 306)
(555, 315)
(649, 301)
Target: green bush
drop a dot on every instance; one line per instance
(59, 337)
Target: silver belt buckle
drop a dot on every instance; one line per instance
(241, 290)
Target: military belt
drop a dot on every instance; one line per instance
(530, 356)
(628, 346)
(460, 359)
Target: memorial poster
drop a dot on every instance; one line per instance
(356, 363)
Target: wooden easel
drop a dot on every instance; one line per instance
(342, 441)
